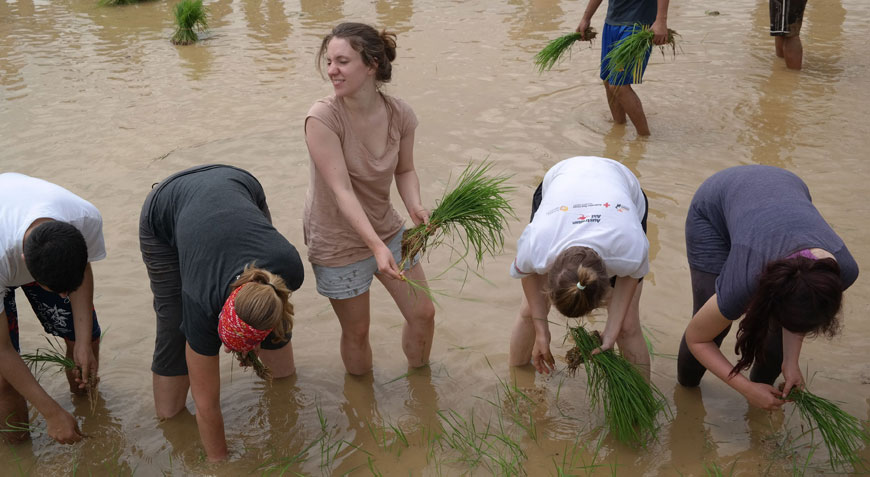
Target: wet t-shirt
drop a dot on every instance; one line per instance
(331, 239)
(215, 217)
(23, 199)
(591, 202)
(742, 218)
(629, 12)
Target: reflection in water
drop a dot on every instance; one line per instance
(267, 23)
(536, 20)
(196, 58)
(422, 402)
(218, 11)
(689, 439)
(278, 410)
(360, 405)
(823, 48)
(182, 435)
(789, 104)
(321, 14)
(395, 15)
(628, 152)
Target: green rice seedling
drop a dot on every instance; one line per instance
(630, 403)
(547, 58)
(190, 17)
(841, 432)
(628, 55)
(55, 356)
(250, 359)
(476, 207)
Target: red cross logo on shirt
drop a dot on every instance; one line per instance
(606, 205)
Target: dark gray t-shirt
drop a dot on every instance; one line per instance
(629, 12)
(744, 217)
(216, 218)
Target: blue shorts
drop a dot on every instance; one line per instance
(612, 35)
(53, 311)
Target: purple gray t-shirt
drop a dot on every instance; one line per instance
(745, 217)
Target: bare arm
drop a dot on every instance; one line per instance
(539, 305)
(620, 302)
(82, 304)
(591, 8)
(660, 26)
(324, 147)
(408, 183)
(704, 327)
(205, 385)
(791, 370)
(61, 425)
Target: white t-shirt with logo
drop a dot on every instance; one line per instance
(24, 199)
(592, 202)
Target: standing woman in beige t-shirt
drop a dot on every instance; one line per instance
(358, 140)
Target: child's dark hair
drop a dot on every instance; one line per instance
(376, 49)
(577, 281)
(799, 294)
(56, 255)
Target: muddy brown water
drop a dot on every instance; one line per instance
(97, 100)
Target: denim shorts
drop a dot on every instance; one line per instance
(348, 281)
(52, 310)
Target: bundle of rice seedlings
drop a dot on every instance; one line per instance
(54, 356)
(250, 359)
(841, 432)
(547, 58)
(629, 53)
(190, 17)
(476, 207)
(630, 403)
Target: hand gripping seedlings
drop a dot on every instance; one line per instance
(630, 52)
(53, 356)
(547, 58)
(630, 403)
(475, 210)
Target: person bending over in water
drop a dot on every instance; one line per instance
(48, 237)
(359, 139)
(586, 245)
(622, 18)
(220, 274)
(758, 248)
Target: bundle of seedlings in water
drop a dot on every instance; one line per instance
(190, 17)
(629, 53)
(250, 359)
(476, 211)
(547, 58)
(630, 403)
(54, 356)
(841, 432)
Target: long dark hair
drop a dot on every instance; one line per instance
(799, 294)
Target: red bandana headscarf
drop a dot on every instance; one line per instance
(235, 333)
